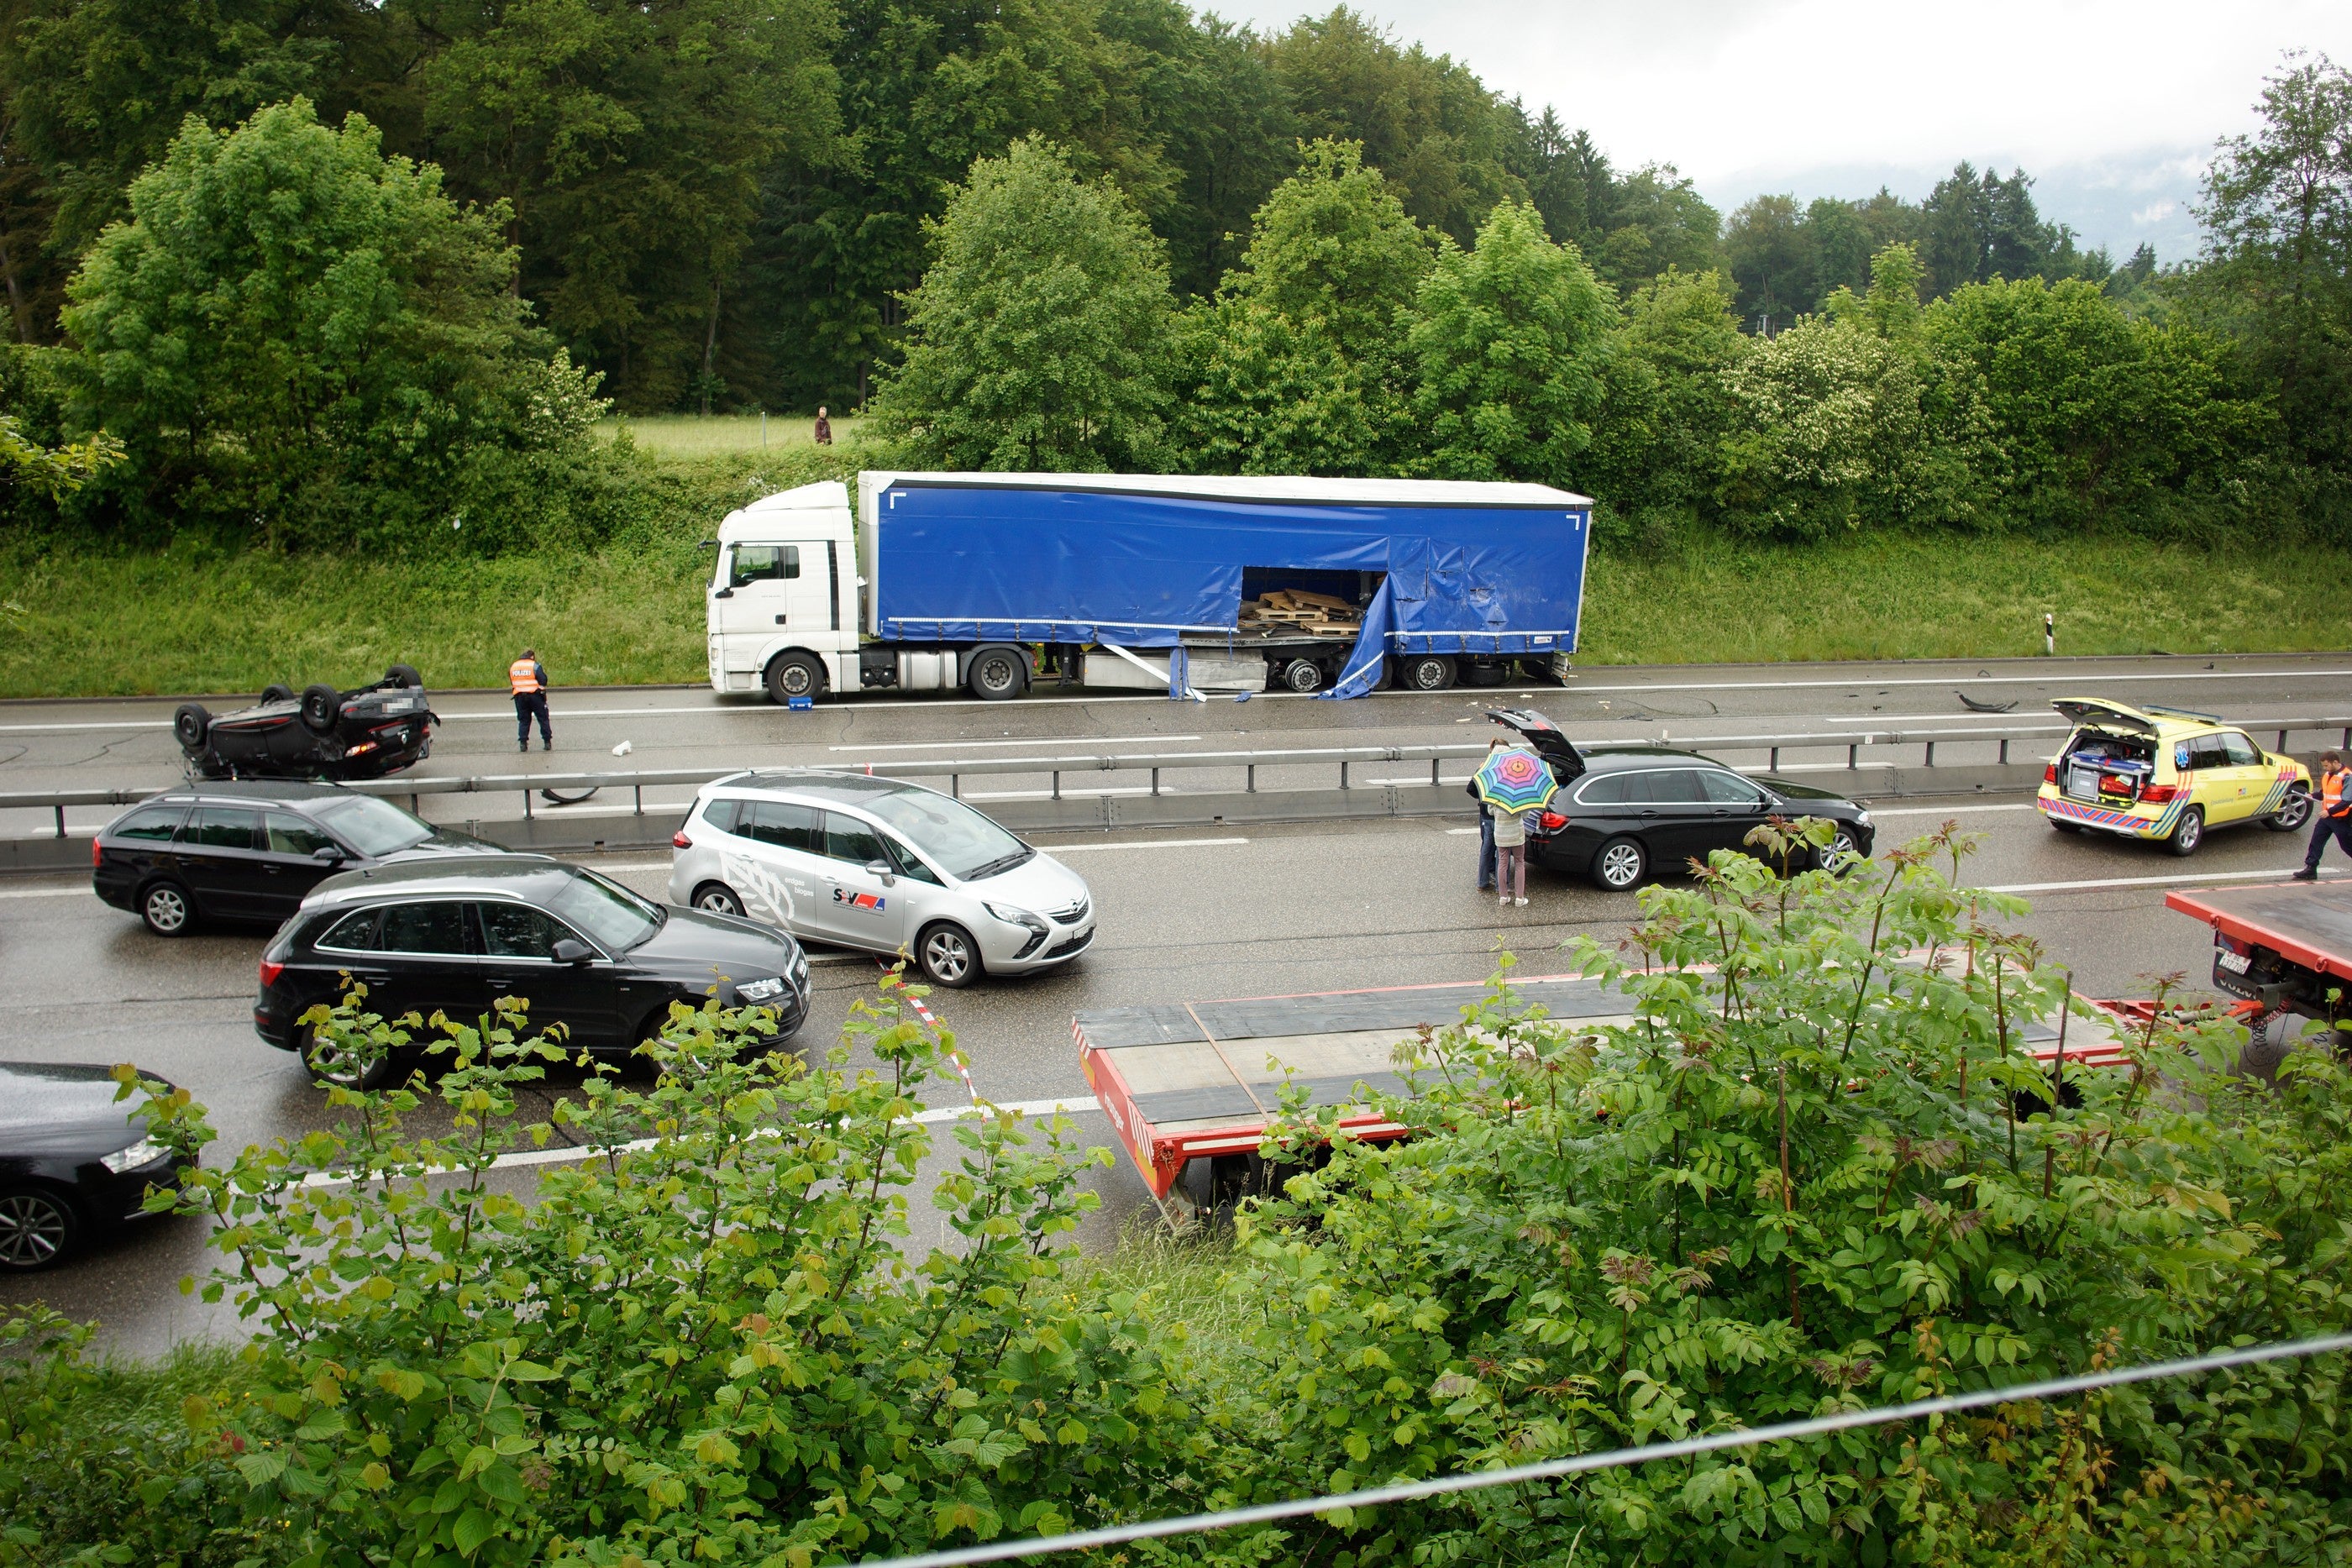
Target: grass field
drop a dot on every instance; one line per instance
(688, 436)
(97, 622)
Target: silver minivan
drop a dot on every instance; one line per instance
(854, 861)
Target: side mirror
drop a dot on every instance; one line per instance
(570, 951)
(726, 592)
(328, 854)
(875, 868)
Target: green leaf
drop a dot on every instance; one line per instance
(473, 1527)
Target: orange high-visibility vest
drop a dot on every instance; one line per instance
(2331, 793)
(523, 677)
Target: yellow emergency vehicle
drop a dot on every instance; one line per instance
(2166, 774)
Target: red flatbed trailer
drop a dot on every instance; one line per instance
(1187, 1081)
(2282, 947)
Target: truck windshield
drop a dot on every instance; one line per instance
(950, 834)
(374, 828)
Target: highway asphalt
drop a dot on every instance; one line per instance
(1186, 913)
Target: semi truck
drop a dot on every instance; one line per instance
(992, 583)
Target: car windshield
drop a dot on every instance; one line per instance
(950, 834)
(617, 918)
(374, 828)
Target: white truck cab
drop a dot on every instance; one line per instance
(782, 600)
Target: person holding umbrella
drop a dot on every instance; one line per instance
(1486, 822)
(1513, 783)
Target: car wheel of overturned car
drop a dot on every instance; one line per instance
(404, 675)
(166, 908)
(321, 705)
(2292, 813)
(276, 692)
(2189, 833)
(793, 676)
(1619, 864)
(946, 956)
(717, 898)
(995, 675)
(341, 1068)
(190, 724)
(1302, 675)
(1427, 673)
(36, 1229)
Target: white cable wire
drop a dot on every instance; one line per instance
(1547, 1469)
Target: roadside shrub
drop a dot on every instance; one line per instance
(712, 1338)
(1815, 1172)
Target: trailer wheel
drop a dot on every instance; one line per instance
(793, 676)
(1428, 673)
(2293, 812)
(1302, 675)
(996, 674)
(2189, 833)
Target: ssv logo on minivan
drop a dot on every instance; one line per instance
(873, 901)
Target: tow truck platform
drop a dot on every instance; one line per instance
(2284, 946)
(1187, 1081)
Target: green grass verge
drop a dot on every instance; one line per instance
(687, 436)
(96, 621)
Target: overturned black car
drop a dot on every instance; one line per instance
(321, 734)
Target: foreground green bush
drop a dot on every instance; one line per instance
(1810, 1177)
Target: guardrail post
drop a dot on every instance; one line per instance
(641, 799)
(1853, 755)
(2004, 749)
(2282, 745)
(1774, 765)
(1931, 754)
(526, 802)
(1251, 787)
(1155, 780)
(62, 821)
(1057, 783)
(414, 808)
(1433, 772)
(1343, 773)
(955, 785)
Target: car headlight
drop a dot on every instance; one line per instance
(146, 1151)
(1012, 916)
(760, 990)
(1861, 819)
(799, 971)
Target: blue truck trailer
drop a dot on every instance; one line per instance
(993, 582)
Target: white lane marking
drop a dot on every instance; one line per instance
(1067, 794)
(1451, 831)
(46, 892)
(523, 1158)
(2086, 681)
(119, 723)
(1139, 844)
(771, 710)
(1944, 810)
(2150, 881)
(1043, 740)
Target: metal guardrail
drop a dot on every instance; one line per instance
(955, 769)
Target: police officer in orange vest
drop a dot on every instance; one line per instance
(527, 676)
(2334, 814)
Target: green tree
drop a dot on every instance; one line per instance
(1041, 336)
(298, 335)
(1509, 341)
(2277, 211)
(1657, 444)
(1771, 252)
(1299, 359)
(630, 144)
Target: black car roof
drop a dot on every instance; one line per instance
(287, 790)
(523, 874)
(849, 789)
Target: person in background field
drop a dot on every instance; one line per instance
(2335, 817)
(527, 676)
(1511, 857)
(824, 428)
(1486, 823)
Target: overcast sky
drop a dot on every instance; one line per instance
(2113, 106)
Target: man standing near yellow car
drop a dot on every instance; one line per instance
(2334, 816)
(527, 676)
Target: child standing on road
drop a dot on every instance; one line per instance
(1511, 857)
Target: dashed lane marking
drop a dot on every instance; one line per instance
(2151, 881)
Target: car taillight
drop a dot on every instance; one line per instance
(2050, 774)
(269, 972)
(2157, 794)
(678, 841)
(97, 855)
(362, 745)
(1551, 821)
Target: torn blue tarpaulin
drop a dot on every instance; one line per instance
(1361, 672)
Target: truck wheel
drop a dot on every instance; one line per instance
(1428, 673)
(2293, 812)
(2189, 833)
(995, 675)
(190, 724)
(793, 676)
(1302, 675)
(1619, 865)
(321, 705)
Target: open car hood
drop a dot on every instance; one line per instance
(2097, 713)
(1544, 736)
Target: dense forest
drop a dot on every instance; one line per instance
(316, 270)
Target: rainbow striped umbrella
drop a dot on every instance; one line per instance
(1515, 781)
